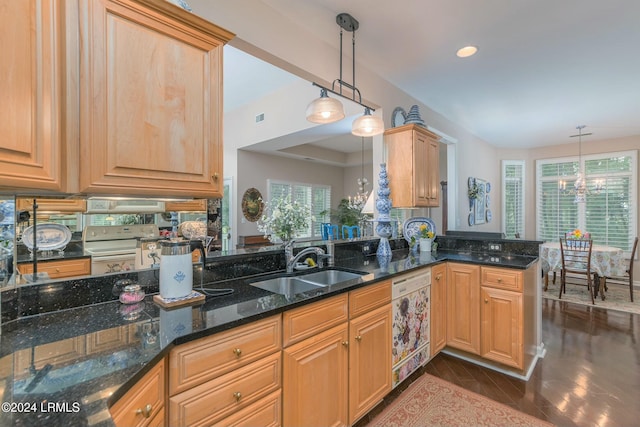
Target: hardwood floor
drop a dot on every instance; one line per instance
(589, 377)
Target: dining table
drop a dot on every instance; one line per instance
(606, 261)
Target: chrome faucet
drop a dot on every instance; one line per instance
(291, 259)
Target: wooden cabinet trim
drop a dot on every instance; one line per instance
(221, 397)
(503, 278)
(309, 320)
(267, 412)
(502, 328)
(368, 298)
(150, 390)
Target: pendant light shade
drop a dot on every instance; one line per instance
(325, 109)
(367, 124)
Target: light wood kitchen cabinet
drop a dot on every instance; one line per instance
(60, 268)
(315, 383)
(438, 308)
(199, 205)
(150, 100)
(143, 404)
(224, 396)
(463, 307)
(413, 166)
(502, 316)
(52, 205)
(207, 358)
(369, 360)
(226, 377)
(32, 83)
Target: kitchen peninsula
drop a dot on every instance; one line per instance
(96, 352)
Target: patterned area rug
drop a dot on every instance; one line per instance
(430, 401)
(616, 298)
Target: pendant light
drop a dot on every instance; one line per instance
(329, 110)
(580, 189)
(325, 109)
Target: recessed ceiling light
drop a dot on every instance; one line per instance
(466, 51)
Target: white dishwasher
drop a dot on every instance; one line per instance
(411, 311)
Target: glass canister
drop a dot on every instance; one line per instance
(176, 269)
(131, 294)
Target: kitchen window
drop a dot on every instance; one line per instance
(513, 198)
(316, 196)
(610, 216)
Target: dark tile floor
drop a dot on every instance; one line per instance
(589, 377)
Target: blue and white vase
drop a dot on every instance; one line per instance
(384, 229)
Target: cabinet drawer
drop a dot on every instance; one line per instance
(219, 398)
(59, 269)
(127, 411)
(267, 412)
(502, 278)
(366, 299)
(311, 319)
(201, 360)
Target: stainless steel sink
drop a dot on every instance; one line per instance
(330, 277)
(291, 285)
(286, 285)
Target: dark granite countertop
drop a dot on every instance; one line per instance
(85, 358)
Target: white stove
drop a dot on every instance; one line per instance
(113, 248)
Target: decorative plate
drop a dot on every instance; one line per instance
(487, 187)
(472, 220)
(487, 199)
(411, 227)
(252, 205)
(489, 215)
(51, 236)
(471, 181)
(398, 117)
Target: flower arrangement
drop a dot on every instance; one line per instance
(425, 233)
(577, 234)
(284, 219)
(474, 192)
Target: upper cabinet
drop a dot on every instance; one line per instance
(413, 167)
(150, 100)
(31, 84)
(110, 97)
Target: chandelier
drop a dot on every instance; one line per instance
(358, 201)
(580, 189)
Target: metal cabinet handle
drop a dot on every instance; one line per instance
(237, 395)
(499, 279)
(345, 343)
(486, 301)
(359, 338)
(214, 176)
(146, 411)
(439, 276)
(237, 352)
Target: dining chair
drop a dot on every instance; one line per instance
(349, 232)
(576, 261)
(627, 279)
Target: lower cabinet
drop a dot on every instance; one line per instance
(314, 387)
(438, 308)
(463, 307)
(60, 268)
(229, 378)
(143, 404)
(335, 376)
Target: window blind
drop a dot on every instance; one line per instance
(513, 198)
(610, 216)
(318, 197)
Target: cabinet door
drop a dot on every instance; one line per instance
(369, 361)
(150, 100)
(463, 307)
(421, 167)
(314, 388)
(438, 308)
(52, 205)
(31, 87)
(433, 172)
(502, 328)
